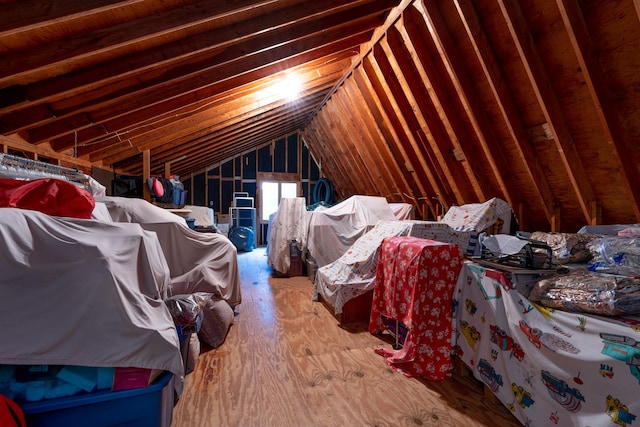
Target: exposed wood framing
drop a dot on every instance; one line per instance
(549, 104)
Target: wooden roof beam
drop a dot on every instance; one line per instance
(227, 138)
(387, 135)
(366, 173)
(186, 105)
(534, 66)
(191, 88)
(45, 59)
(197, 45)
(465, 89)
(364, 128)
(443, 133)
(242, 124)
(397, 139)
(221, 114)
(604, 102)
(425, 165)
(41, 13)
(529, 161)
(232, 129)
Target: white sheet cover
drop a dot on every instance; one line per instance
(478, 216)
(403, 211)
(202, 214)
(291, 221)
(332, 231)
(83, 292)
(198, 262)
(354, 273)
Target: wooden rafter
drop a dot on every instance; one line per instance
(605, 104)
(534, 66)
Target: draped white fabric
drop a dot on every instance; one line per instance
(291, 221)
(198, 262)
(333, 230)
(83, 292)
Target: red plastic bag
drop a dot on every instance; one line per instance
(51, 196)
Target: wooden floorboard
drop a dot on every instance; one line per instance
(287, 362)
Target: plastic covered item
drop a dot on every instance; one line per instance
(616, 255)
(568, 248)
(587, 292)
(185, 308)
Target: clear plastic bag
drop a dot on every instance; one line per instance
(185, 308)
(616, 255)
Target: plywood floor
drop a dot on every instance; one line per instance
(286, 362)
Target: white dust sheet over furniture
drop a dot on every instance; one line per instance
(198, 262)
(202, 214)
(83, 292)
(354, 272)
(291, 221)
(333, 230)
(479, 216)
(403, 211)
(549, 367)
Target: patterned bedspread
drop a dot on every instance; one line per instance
(549, 367)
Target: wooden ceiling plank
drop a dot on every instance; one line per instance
(166, 93)
(355, 179)
(189, 76)
(367, 47)
(606, 108)
(529, 161)
(386, 114)
(49, 90)
(364, 126)
(217, 114)
(414, 164)
(438, 139)
(44, 133)
(38, 115)
(236, 128)
(287, 55)
(490, 151)
(266, 129)
(191, 103)
(534, 66)
(397, 152)
(48, 57)
(278, 111)
(326, 156)
(256, 130)
(39, 13)
(406, 131)
(345, 137)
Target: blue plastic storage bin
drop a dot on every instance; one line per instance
(141, 407)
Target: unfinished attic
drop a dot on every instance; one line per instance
(223, 207)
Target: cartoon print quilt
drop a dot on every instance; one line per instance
(549, 367)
